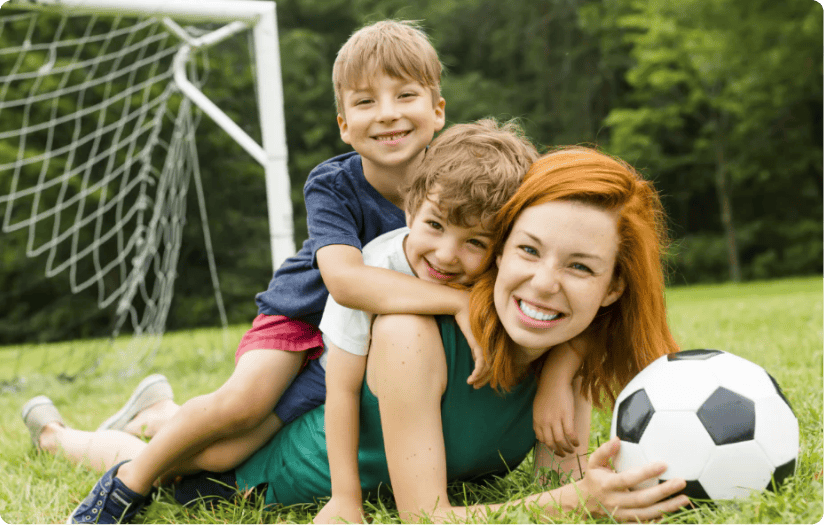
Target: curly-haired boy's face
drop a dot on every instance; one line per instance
(442, 252)
(389, 121)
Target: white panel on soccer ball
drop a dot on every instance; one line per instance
(742, 376)
(640, 379)
(776, 430)
(680, 440)
(630, 456)
(680, 385)
(613, 425)
(733, 471)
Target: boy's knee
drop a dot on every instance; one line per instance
(242, 408)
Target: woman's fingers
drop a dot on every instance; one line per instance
(612, 489)
(652, 495)
(600, 457)
(649, 503)
(651, 512)
(635, 476)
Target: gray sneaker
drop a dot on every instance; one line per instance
(152, 389)
(37, 413)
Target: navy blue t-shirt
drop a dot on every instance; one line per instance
(341, 208)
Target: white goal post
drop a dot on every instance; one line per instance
(97, 141)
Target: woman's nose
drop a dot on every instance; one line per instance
(546, 280)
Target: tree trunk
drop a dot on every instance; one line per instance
(724, 202)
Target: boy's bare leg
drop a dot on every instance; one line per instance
(98, 450)
(228, 453)
(240, 405)
(149, 421)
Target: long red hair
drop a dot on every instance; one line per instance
(626, 335)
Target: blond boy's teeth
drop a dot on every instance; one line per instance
(535, 314)
(392, 136)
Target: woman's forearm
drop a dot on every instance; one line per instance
(550, 504)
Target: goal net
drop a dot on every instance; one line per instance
(99, 105)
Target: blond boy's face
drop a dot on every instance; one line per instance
(389, 121)
(442, 252)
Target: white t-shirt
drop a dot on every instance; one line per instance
(349, 329)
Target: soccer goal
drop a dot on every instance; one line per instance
(99, 103)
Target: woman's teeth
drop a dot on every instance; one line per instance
(535, 314)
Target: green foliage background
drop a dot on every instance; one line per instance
(711, 100)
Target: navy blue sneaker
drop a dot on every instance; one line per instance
(110, 501)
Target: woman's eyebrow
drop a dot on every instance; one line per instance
(534, 238)
(581, 255)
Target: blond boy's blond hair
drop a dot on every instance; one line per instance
(472, 170)
(398, 48)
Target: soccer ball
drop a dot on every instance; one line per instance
(717, 420)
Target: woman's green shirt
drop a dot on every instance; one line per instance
(484, 433)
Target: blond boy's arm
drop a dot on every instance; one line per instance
(344, 379)
(355, 285)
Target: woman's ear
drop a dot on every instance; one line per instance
(615, 290)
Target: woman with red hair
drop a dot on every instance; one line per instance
(576, 254)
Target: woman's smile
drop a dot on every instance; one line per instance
(534, 317)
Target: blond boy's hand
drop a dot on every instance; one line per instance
(340, 510)
(553, 415)
(462, 318)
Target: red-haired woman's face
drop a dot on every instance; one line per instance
(555, 272)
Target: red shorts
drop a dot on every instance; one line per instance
(276, 332)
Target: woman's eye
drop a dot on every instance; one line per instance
(529, 250)
(581, 267)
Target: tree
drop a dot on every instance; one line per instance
(720, 90)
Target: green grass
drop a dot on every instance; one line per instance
(776, 324)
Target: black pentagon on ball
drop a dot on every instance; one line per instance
(693, 354)
(693, 490)
(782, 472)
(780, 392)
(634, 414)
(728, 417)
